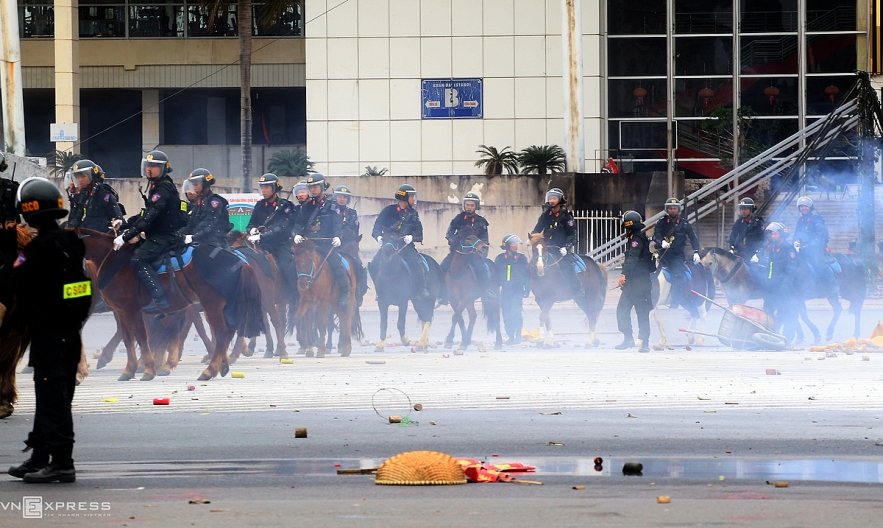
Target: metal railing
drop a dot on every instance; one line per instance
(594, 228)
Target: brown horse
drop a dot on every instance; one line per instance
(119, 288)
(318, 300)
(464, 288)
(549, 286)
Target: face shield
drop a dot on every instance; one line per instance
(157, 168)
(554, 194)
(69, 183)
(187, 188)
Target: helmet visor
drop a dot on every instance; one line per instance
(556, 194)
(69, 180)
(146, 163)
(187, 187)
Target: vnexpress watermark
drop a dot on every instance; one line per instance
(34, 507)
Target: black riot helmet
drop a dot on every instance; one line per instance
(673, 202)
(631, 220)
(39, 199)
(89, 167)
(343, 190)
(404, 192)
(747, 203)
(157, 158)
(555, 191)
(203, 176)
(270, 179)
(316, 179)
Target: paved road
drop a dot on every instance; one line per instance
(690, 416)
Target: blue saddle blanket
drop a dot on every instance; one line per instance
(344, 261)
(579, 265)
(187, 256)
(688, 275)
(407, 267)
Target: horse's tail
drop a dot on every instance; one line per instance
(291, 318)
(249, 309)
(12, 349)
(490, 310)
(356, 332)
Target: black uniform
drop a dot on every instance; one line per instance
(209, 220)
(75, 217)
(637, 269)
(52, 299)
(776, 271)
(318, 220)
(466, 222)
(395, 222)
(159, 221)
(275, 219)
(747, 237)
(98, 204)
(676, 231)
(560, 232)
(812, 233)
(513, 271)
(349, 229)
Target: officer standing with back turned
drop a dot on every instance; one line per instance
(635, 284)
(49, 296)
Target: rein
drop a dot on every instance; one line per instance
(314, 272)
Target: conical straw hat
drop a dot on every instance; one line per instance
(420, 468)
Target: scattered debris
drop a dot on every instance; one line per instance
(703, 399)
(431, 422)
(879, 442)
(416, 468)
(731, 403)
(215, 511)
(709, 411)
(418, 407)
(633, 469)
(579, 487)
(286, 361)
(376, 362)
(556, 444)
(599, 460)
(191, 388)
(237, 374)
(663, 499)
(866, 358)
(502, 397)
(160, 401)
(200, 501)
(722, 478)
(300, 432)
(111, 400)
(360, 471)
(773, 372)
(395, 419)
(630, 415)
(551, 413)
(781, 484)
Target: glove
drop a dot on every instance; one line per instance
(408, 239)
(797, 246)
(380, 240)
(696, 258)
(118, 242)
(254, 238)
(253, 231)
(665, 244)
(116, 223)
(188, 239)
(299, 239)
(335, 242)
(563, 251)
(733, 250)
(754, 259)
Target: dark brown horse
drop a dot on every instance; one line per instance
(549, 286)
(318, 300)
(119, 288)
(464, 287)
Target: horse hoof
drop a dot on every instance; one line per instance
(147, 376)
(658, 347)
(101, 363)
(690, 339)
(320, 354)
(248, 352)
(162, 371)
(125, 377)
(596, 342)
(27, 370)
(345, 352)
(232, 359)
(309, 353)
(283, 355)
(205, 376)
(5, 411)
(225, 369)
(205, 359)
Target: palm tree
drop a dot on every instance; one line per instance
(542, 159)
(372, 171)
(61, 161)
(495, 161)
(270, 11)
(290, 163)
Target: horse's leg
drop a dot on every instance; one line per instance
(345, 321)
(834, 301)
(82, 366)
(324, 314)
(546, 320)
(279, 328)
(146, 353)
(384, 320)
(207, 340)
(219, 363)
(802, 313)
(467, 335)
(329, 325)
(238, 346)
(400, 324)
(111, 346)
(176, 347)
(423, 342)
(455, 320)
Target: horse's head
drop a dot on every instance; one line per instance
(236, 238)
(718, 261)
(537, 252)
(305, 257)
(98, 245)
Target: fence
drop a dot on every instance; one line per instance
(594, 228)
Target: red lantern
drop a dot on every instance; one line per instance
(640, 94)
(706, 94)
(832, 91)
(771, 92)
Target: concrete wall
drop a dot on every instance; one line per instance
(22, 168)
(366, 59)
(224, 161)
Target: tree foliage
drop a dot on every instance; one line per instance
(541, 159)
(61, 161)
(494, 161)
(373, 171)
(290, 163)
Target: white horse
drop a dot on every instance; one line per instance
(700, 281)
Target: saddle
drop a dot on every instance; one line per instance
(175, 260)
(688, 274)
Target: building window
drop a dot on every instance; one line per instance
(35, 19)
(102, 20)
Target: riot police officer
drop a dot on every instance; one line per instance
(746, 236)
(300, 192)
(670, 236)
(318, 221)
(635, 284)
(270, 225)
(811, 241)
(468, 220)
(97, 202)
(156, 228)
(514, 281)
(209, 221)
(557, 226)
(350, 237)
(775, 268)
(400, 220)
(75, 216)
(49, 296)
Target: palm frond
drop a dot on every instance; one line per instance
(495, 161)
(61, 161)
(372, 171)
(542, 159)
(290, 163)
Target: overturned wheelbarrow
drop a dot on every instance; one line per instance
(745, 328)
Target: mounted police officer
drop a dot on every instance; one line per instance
(514, 281)
(75, 216)
(300, 192)
(468, 220)
(97, 202)
(350, 237)
(270, 226)
(747, 235)
(670, 236)
(400, 220)
(50, 297)
(209, 220)
(156, 228)
(557, 226)
(319, 222)
(775, 268)
(635, 283)
(811, 241)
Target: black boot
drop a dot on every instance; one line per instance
(51, 473)
(343, 284)
(150, 279)
(627, 342)
(37, 462)
(362, 285)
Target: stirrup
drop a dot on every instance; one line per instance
(156, 305)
